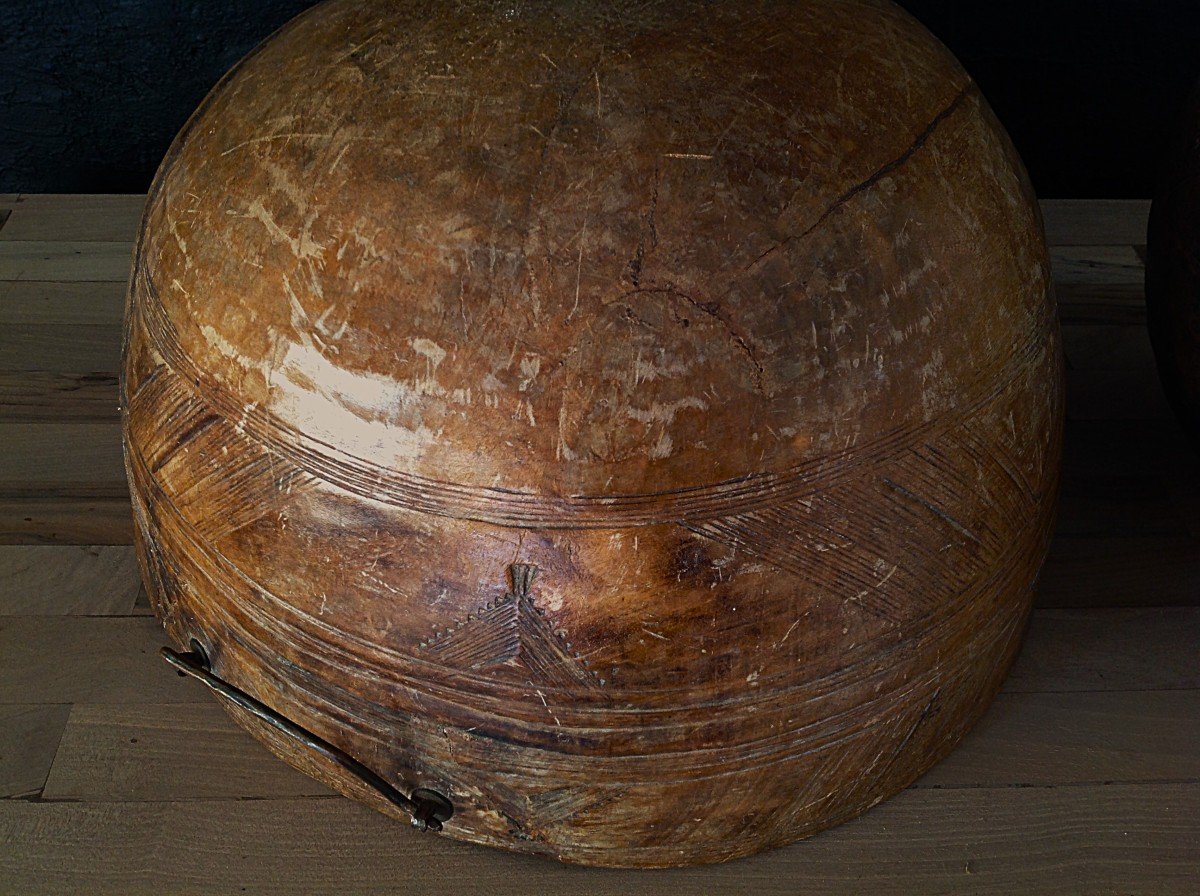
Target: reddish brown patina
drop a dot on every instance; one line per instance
(637, 422)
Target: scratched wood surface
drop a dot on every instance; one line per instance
(121, 778)
(677, 443)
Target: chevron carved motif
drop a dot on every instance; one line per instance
(512, 638)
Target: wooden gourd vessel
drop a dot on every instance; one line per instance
(621, 432)
(1173, 271)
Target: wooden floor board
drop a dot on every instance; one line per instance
(1113, 571)
(64, 304)
(1099, 284)
(1122, 479)
(68, 580)
(74, 216)
(1126, 839)
(54, 457)
(1083, 304)
(1091, 222)
(49, 519)
(55, 347)
(1090, 737)
(78, 261)
(44, 396)
(141, 606)
(184, 751)
(1102, 266)
(160, 751)
(29, 738)
(53, 373)
(72, 659)
(1144, 648)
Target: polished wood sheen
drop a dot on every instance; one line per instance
(637, 422)
(1173, 271)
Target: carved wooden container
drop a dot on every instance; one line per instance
(1173, 271)
(638, 423)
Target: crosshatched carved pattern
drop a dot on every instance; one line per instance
(759, 373)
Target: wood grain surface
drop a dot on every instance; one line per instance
(70, 580)
(73, 262)
(72, 217)
(1114, 839)
(1052, 775)
(669, 481)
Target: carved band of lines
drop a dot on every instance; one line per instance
(915, 490)
(165, 501)
(775, 747)
(515, 509)
(485, 697)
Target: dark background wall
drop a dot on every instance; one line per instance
(91, 91)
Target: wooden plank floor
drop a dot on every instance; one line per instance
(119, 777)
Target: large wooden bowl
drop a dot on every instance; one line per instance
(636, 422)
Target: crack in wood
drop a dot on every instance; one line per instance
(879, 174)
